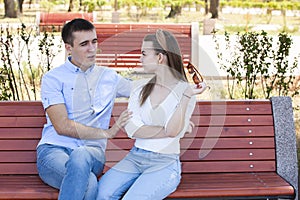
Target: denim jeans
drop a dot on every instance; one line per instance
(73, 171)
(141, 175)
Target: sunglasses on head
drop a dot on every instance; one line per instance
(197, 77)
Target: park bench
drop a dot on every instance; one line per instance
(120, 43)
(54, 21)
(239, 149)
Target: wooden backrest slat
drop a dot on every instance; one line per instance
(260, 107)
(24, 108)
(232, 131)
(227, 143)
(20, 133)
(18, 168)
(22, 121)
(18, 145)
(127, 39)
(17, 156)
(61, 18)
(221, 166)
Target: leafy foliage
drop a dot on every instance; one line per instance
(258, 65)
(26, 55)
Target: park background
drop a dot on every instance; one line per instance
(232, 17)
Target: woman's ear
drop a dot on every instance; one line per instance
(161, 58)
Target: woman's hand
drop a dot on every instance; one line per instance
(200, 88)
(119, 124)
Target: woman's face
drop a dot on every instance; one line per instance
(149, 57)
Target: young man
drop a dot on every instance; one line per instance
(78, 98)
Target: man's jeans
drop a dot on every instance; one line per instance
(73, 172)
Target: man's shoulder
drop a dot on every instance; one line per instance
(56, 70)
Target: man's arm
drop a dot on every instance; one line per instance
(64, 126)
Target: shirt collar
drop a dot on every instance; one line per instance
(76, 69)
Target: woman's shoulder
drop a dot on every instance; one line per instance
(140, 82)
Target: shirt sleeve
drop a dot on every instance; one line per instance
(124, 87)
(136, 121)
(51, 91)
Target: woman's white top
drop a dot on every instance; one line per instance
(158, 116)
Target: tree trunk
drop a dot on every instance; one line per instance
(214, 6)
(10, 9)
(20, 2)
(206, 7)
(175, 10)
(70, 6)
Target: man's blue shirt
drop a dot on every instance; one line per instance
(88, 96)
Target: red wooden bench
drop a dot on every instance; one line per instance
(54, 22)
(120, 44)
(237, 150)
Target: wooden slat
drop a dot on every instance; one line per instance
(226, 185)
(228, 166)
(231, 131)
(18, 168)
(212, 155)
(21, 108)
(228, 120)
(61, 18)
(23, 145)
(22, 121)
(21, 133)
(25, 187)
(17, 156)
(221, 166)
(127, 39)
(228, 107)
(227, 143)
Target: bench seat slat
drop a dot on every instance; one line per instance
(232, 184)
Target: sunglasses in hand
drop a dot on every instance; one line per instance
(197, 77)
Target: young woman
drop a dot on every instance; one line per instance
(162, 107)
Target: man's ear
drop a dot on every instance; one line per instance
(68, 47)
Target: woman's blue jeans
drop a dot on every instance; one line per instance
(141, 175)
(73, 171)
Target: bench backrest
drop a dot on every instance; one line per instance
(120, 44)
(54, 21)
(230, 136)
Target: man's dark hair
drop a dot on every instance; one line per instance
(74, 26)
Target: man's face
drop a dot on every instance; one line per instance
(84, 49)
